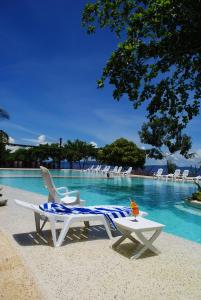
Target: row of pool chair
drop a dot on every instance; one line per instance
(108, 169)
(177, 175)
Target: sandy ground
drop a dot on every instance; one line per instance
(85, 267)
(16, 281)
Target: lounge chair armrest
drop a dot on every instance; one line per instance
(72, 192)
(62, 190)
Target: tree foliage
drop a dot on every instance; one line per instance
(171, 166)
(78, 150)
(122, 153)
(73, 151)
(157, 62)
(4, 138)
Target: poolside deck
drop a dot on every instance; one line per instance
(86, 268)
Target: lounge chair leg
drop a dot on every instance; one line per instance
(86, 223)
(53, 230)
(63, 232)
(37, 221)
(107, 228)
(44, 222)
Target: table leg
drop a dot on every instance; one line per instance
(147, 243)
(126, 235)
(119, 241)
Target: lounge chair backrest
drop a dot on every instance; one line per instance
(107, 169)
(115, 169)
(96, 168)
(119, 170)
(49, 184)
(99, 168)
(129, 170)
(185, 173)
(177, 172)
(159, 172)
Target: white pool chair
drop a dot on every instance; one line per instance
(174, 176)
(114, 170)
(195, 178)
(97, 169)
(118, 172)
(158, 174)
(128, 172)
(184, 175)
(61, 194)
(106, 170)
(65, 219)
(103, 170)
(89, 169)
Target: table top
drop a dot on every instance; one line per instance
(142, 224)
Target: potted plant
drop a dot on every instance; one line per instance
(195, 199)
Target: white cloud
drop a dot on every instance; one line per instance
(11, 140)
(40, 140)
(94, 144)
(12, 148)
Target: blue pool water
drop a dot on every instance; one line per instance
(36, 172)
(162, 200)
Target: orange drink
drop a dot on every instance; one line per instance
(134, 208)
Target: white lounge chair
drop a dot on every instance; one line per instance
(114, 170)
(67, 219)
(61, 194)
(128, 172)
(105, 170)
(195, 178)
(97, 169)
(184, 175)
(174, 176)
(89, 169)
(118, 172)
(158, 174)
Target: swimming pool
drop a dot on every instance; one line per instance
(162, 200)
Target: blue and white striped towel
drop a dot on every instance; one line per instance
(110, 213)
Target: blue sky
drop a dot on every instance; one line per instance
(48, 72)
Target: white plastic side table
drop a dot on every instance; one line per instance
(127, 226)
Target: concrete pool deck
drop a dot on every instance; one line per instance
(85, 267)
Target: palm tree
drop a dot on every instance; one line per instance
(4, 114)
(77, 150)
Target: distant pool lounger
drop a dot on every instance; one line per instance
(158, 174)
(128, 172)
(54, 212)
(173, 176)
